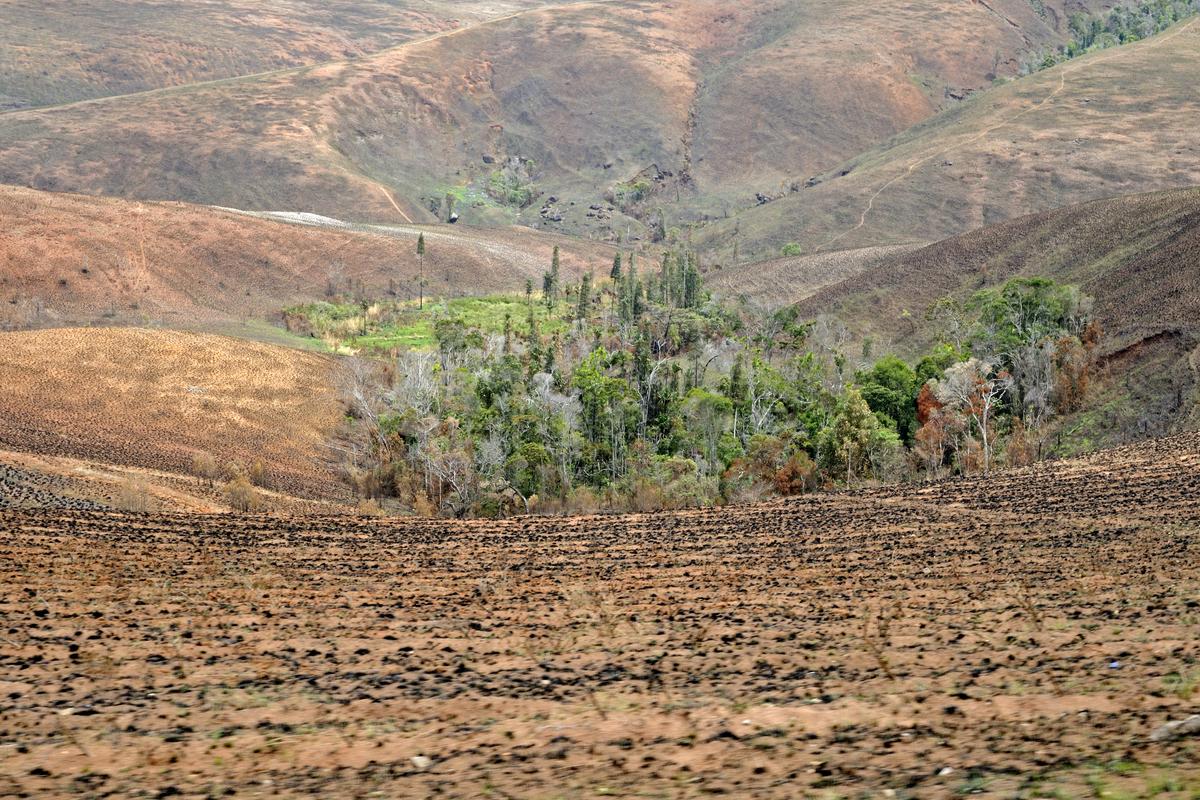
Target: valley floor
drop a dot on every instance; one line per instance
(1015, 637)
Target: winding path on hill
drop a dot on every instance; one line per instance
(167, 91)
(184, 87)
(1116, 52)
(484, 243)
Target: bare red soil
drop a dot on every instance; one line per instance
(1011, 637)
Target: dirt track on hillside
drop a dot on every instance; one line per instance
(970, 637)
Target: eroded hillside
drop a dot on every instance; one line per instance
(1110, 123)
(612, 109)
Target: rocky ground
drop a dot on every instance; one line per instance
(1017, 637)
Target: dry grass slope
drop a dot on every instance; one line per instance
(1020, 636)
(1115, 122)
(59, 51)
(593, 92)
(75, 259)
(156, 399)
(1138, 256)
(785, 281)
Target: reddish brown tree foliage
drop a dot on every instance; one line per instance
(927, 404)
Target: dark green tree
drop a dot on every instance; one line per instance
(585, 298)
(421, 269)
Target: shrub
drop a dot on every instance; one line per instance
(241, 495)
(370, 508)
(792, 249)
(134, 496)
(258, 474)
(205, 466)
(582, 501)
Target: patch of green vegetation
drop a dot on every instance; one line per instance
(467, 195)
(628, 194)
(1121, 25)
(385, 326)
(262, 331)
(508, 188)
(1183, 685)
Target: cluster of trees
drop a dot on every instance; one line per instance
(1120, 25)
(656, 396)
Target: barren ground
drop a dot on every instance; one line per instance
(75, 259)
(1017, 637)
(156, 399)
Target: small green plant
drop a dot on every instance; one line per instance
(1183, 685)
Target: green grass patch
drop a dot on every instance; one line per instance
(392, 325)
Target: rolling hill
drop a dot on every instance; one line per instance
(156, 399)
(579, 117)
(1137, 256)
(1115, 122)
(61, 51)
(75, 259)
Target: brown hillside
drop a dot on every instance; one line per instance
(1138, 256)
(785, 281)
(594, 94)
(78, 259)
(1020, 635)
(156, 399)
(59, 51)
(1115, 122)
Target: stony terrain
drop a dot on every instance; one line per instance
(1020, 636)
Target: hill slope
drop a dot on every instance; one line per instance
(1137, 256)
(69, 258)
(1114, 122)
(156, 399)
(60, 51)
(575, 100)
(779, 282)
(983, 636)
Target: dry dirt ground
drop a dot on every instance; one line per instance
(68, 258)
(156, 399)
(1015, 637)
